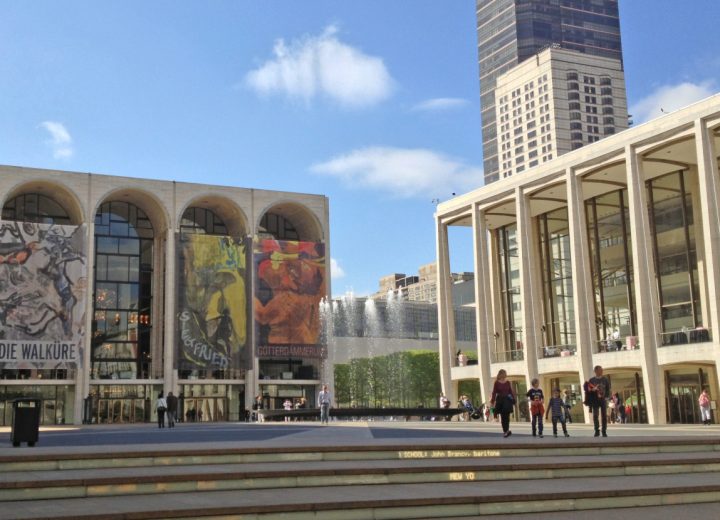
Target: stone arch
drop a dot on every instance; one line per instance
(229, 212)
(302, 218)
(146, 201)
(55, 191)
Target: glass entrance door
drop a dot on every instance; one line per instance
(205, 409)
(120, 411)
(684, 407)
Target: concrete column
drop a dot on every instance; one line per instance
(84, 366)
(709, 184)
(483, 302)
(446, 324)
(530, 293)
(647, 304)
(169, 375)
(583, 305)
(495, 317)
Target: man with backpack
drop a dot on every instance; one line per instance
(597, 389)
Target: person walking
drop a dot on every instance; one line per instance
(172, 408)
(160, 408)
(503, 400)
(536, 399)
(568, 406)
(287, 406)
(597, 389)
(704, 402)
(324, 399)
(556, 406)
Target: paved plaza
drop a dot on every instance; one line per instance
(302, 433)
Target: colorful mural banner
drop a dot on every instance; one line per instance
(212, 307)
(43, 289)
(290, 283)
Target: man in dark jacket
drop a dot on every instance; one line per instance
(172, 408)
(597, 390)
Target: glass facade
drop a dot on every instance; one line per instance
(511, 31)
(56, 402)
(612, 271)
(559, 318)
(671, 218)
(122, 319)
(511, 347)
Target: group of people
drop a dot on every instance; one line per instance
(166, 406)
(597, 390)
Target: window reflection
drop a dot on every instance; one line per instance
(509, 262)
(123, 293)
(612, 274)
(556, 269)
(675, 253)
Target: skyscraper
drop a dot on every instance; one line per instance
(511, 31)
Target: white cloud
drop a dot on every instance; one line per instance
(669, 98)
(60, 140)
(336, 271)
(439, 104)
(322, 66)
(404, 172)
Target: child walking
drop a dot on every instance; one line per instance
(537, 408)
(557, 406)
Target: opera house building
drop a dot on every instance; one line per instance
(113, 289)
(607, 255)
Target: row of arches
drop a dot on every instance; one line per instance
(128, 264)
(51, 202)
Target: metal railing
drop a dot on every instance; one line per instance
(685, 337)
(617, 344)
(551, 351)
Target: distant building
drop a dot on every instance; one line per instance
(423, 288)
(555, 103)
(512, 31)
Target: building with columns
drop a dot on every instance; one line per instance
(608, 255)
(113, 289)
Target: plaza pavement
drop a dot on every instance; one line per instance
(309, 433)
(452, 434)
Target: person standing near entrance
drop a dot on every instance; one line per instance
(324, 399)
(172, 408)
(160, 408)
(704, 402)
(597, 389)
(503, 400)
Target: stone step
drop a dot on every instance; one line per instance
(36, 485)
(408, 501)
(39, 460)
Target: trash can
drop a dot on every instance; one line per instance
(25, 421)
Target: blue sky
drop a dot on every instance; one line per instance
(373, 103)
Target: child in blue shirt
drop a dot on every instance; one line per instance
(557, 406)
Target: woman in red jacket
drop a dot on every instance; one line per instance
(503, 400)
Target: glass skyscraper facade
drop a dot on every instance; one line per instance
(511, 31)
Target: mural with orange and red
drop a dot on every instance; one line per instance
(290, 285)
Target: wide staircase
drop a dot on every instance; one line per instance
(361, 482)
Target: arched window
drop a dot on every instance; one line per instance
(35, 207)
(202, 221)
(122, 320)
(279, 227)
